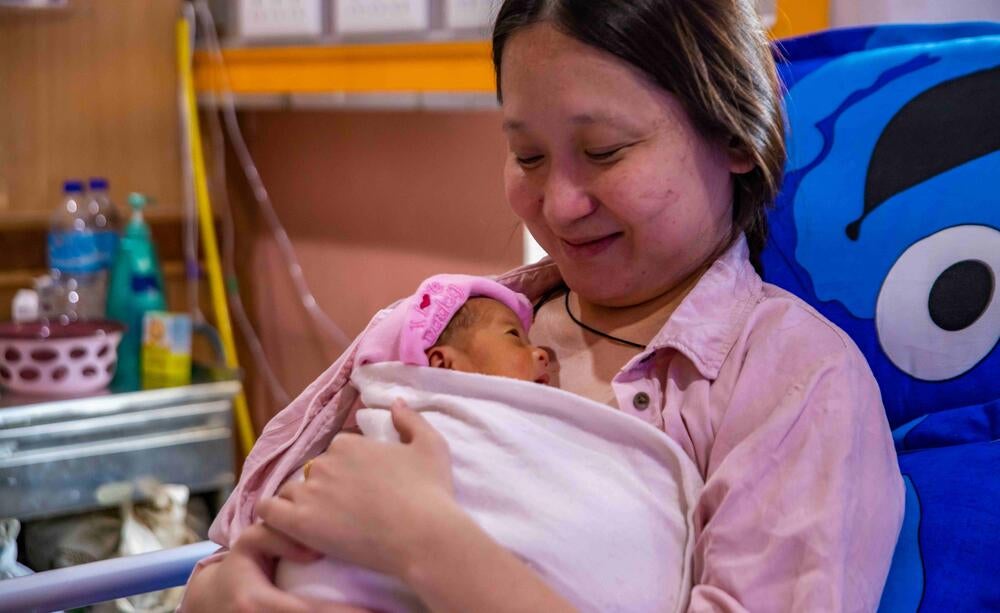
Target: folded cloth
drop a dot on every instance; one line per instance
(597, 502)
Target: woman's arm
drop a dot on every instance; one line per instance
(803, 498)
(391, 508)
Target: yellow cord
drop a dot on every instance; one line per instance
(244, 427)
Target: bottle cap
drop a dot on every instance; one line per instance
(137, 201)
(25, 306)
(98, 183)
(72, 186)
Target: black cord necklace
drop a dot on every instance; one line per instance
(598, 332)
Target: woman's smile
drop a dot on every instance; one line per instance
(581, 248)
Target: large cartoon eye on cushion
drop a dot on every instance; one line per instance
(938, 312)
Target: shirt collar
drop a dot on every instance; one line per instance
(705, 325)
(533, 280)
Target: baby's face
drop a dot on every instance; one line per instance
(495, 345)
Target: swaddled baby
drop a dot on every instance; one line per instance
(596, 501)
(485, 336)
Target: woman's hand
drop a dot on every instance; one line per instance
(243, 580)
(371, 503)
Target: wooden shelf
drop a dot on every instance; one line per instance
(22, 240)
(31, 220)
(436, 67)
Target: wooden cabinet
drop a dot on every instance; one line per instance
(90, 89)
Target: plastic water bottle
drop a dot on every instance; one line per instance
(104, 219)
(75, 257)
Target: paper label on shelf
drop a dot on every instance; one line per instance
(276, 18)
(362, 16)
(470, 13)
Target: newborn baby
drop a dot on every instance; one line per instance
(485, 336)
(485, 331)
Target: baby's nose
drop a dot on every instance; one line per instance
(541, 356)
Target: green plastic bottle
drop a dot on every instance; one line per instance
(136, 287)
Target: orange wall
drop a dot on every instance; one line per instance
(797, 17)
(374, 202)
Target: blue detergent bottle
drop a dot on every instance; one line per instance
(136, 288)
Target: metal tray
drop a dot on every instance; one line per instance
(67, 456)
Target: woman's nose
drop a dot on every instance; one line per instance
(565, 199)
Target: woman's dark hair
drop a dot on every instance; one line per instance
(712, 55)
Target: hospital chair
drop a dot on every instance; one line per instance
(888, 224)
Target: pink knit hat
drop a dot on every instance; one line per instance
(415, 324)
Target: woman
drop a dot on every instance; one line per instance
(645, 143)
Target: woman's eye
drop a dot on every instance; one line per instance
(529, 161)
(602, 156)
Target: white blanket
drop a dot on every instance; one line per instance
(597, 502)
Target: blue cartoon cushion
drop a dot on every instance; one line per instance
(889, 224)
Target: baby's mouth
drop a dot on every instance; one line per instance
(544, 379)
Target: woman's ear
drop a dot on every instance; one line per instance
(440, 357)
(740, 161)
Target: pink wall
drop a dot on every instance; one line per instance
(374, 202)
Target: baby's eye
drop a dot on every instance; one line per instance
(514, 332)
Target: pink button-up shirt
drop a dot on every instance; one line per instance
(803, 499)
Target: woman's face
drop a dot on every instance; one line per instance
(608, 171)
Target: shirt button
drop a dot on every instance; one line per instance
(641, 401)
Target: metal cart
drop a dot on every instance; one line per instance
(59, 457)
